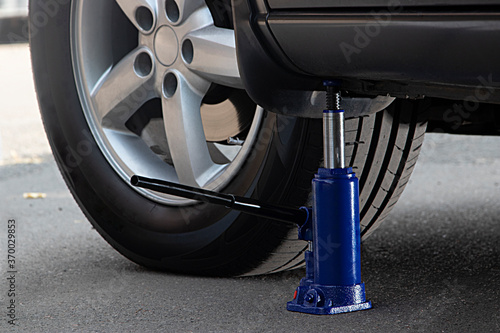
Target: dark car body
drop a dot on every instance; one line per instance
(401, 48)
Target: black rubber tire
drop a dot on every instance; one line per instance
(205, 239)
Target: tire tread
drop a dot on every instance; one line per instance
(383, 149)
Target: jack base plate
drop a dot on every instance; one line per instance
(324, 300)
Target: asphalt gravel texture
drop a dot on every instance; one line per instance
(433, 266)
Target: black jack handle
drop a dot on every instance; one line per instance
(297, 216)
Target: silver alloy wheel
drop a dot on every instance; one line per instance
(179, 54)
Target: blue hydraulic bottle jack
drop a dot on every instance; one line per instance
(333, 262)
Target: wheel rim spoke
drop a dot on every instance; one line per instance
(142, 13)
(123, 89)
(120, 99)
(179, 10)
(223, 153)
(211, 53)
(184, 128)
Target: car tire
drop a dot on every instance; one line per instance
(275, 163)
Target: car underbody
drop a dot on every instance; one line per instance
(441, 51)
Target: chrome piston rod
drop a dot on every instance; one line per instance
(333, 131)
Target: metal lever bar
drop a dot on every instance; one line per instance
(297, 216)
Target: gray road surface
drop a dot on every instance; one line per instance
(434, 266)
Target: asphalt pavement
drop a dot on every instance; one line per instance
(433, 266)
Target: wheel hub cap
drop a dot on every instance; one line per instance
(166, 45)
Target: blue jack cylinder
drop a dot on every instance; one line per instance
(336, 232)
(333, 268)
